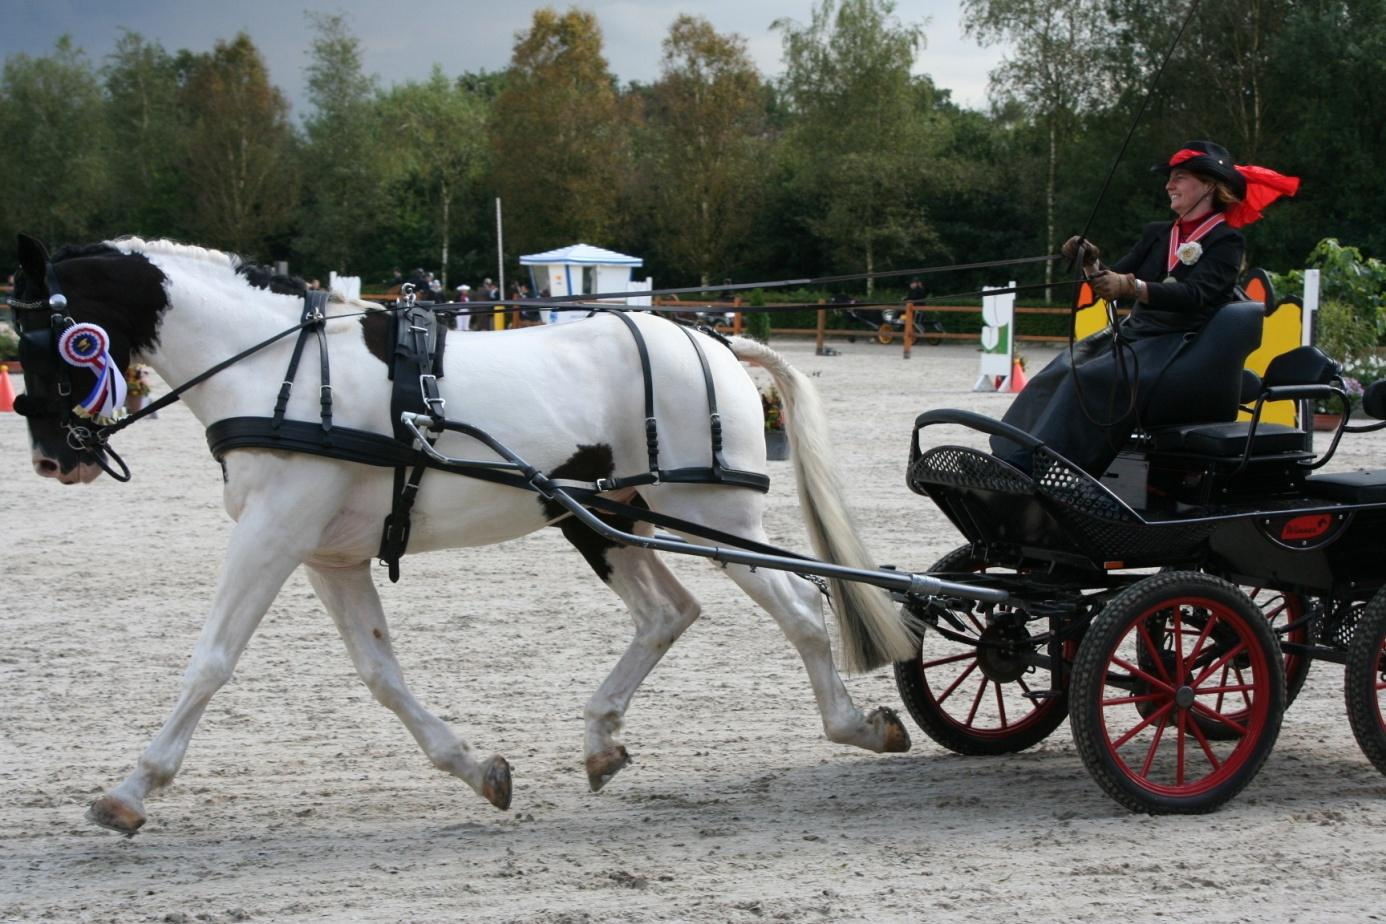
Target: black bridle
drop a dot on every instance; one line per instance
(48, 380)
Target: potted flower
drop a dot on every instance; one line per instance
(136, 386)
(776, 440)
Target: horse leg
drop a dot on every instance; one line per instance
(350, 596)
(255, 569)
(795, 605)
(662, 609)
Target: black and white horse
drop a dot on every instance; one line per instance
(567, 398)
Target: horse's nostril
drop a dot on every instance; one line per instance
(46, 467)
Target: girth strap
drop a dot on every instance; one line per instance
(417, 357)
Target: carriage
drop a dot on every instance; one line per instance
(1174, 681)
(1170, 610)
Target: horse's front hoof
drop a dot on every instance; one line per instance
(495, 784)
(896, 736)
(110, 812)
(602, 767)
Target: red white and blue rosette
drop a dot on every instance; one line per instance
(89, 346)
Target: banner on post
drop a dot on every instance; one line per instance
(998, 341)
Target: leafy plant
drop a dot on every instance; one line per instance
(1347, 277)
(773, 406)
(1349, 338)
(9, 342)
(757, 325)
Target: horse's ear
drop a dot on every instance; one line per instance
(33, 257)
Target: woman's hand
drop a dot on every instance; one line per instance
(1090, 251)
(1109, 286)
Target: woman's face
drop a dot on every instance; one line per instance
(1189, 194)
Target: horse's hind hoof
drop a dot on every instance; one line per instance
(110, 812)
(896, 736)
(495, 784)
(602, 767)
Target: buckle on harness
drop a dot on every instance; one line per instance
(428, 385)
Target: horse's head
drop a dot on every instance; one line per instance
(80, 315)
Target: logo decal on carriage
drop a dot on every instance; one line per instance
(1307, 531)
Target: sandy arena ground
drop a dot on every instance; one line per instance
(303, 800)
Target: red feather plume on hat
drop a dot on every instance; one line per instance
(1263, 186)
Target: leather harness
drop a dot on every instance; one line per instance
(416, 354)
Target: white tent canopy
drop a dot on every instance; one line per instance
(581, 269)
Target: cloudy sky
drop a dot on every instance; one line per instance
(403, 38)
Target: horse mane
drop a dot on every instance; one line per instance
(256, 275)
(174, 249)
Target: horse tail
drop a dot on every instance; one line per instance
(872, 628)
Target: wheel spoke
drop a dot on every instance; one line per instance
(1134, 698)
(1219, 717)
(1154, 651)
(977, 701)
(1202, 638)
(1221, 689)
(1001, 706)
(1159, 684)
(1154, 747)
(1157, 714)
(1232, 688)
(1216, 665)
(1180, 730)
(1242, 688)
(961, 677)
(1207, 749)
(949, 660)
(1179, 642)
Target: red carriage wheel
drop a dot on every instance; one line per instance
(973, 694)
(885, 333)
(1148, 680)
(1364, 681)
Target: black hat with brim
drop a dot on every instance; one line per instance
(1209, 159)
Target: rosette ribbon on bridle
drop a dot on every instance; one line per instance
(87, 345)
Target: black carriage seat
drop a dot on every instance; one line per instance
(1302, 366)
(1204, 382)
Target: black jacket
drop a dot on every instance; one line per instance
(1197, 290)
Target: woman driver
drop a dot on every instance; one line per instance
(1176, 276)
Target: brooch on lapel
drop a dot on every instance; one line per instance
(1190, 252)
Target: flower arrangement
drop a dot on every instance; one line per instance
(773, 406)
(137, 381)
(1190, 252)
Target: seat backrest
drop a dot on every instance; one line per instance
(1204, 382)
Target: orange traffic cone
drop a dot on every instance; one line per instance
(6, 389)
(1018, 379)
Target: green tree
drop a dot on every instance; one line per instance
(348, 160)
(148, 131)
(705, 126)
(439, 128)
(241, 150)
(54, 169)
(856, 146)
(1056, 71)
(560, 136)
